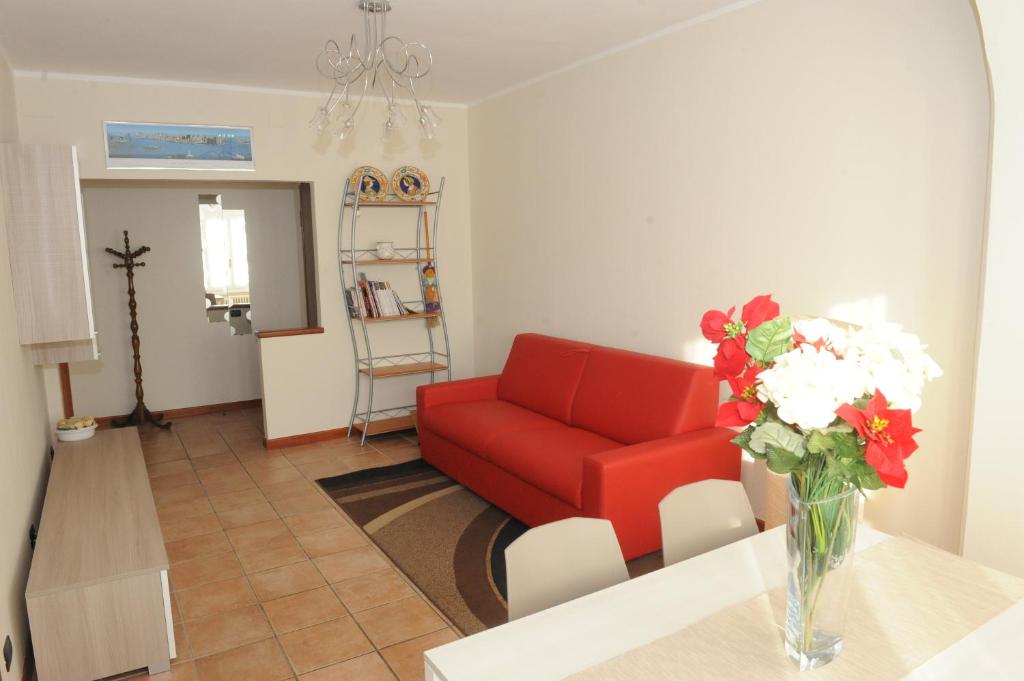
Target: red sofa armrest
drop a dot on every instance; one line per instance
(626, 484)
(465, 390)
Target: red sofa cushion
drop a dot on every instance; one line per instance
(542, 373)
(472, 425)
(631, 397)
(550, 459)
(520, 499)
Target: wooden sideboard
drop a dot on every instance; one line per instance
(98, 598)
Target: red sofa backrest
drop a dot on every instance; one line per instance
(542, 373)
(631, 397)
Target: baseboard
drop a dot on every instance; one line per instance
(305, 438)
(183, 412)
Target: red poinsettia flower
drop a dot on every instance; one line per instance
(731, 358)
(758, 311)
(744, 407)
(889, 435)
(731, 336)
(717, 325)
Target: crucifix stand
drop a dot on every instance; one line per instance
(140, 414)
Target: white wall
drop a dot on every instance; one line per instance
(994, 524)
(187, 360)
(285, 149)
(831, 153)
(24, 462)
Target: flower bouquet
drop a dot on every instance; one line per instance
(830, 405)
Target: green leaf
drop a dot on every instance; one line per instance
(819, 442)
(770, 339)
(847, 446)
(853, 470)
(743, 441)
(867, 477)
(768, 413)
(782, 462)
(840, 469)
(840, 427)
(828, 439)
(777, 436)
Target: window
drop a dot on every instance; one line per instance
(225, 264)
(225, 255)
(256, 256)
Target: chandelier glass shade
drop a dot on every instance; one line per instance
(381, 65)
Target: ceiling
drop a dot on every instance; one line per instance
(480, 46)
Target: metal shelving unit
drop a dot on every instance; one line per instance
(369, 419)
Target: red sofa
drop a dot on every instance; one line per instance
(572, 429)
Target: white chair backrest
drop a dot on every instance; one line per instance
(703, 516)
(560, 561)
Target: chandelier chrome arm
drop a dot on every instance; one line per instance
(383, 62)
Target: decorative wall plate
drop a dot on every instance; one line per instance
(370, 182)
(410, 184)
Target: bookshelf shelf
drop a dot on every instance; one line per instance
(370, 302)
(391, 203)
(401, 317)
(409, 369)
(386, 425)
(381, 261)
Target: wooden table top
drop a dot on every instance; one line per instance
(636, 629)
(99, 521)
(909, 603)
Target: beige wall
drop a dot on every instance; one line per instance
(285, 149)
(187, 360)
(831, 153)
(24, 462)
(8, 104)
(994, 525)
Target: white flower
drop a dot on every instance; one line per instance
(822, 329)
(807, 386)
(894, 362)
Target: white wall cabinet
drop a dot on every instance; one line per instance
(41, 200)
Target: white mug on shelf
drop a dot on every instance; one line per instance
(385, 250)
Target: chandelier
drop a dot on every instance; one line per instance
(383, 63)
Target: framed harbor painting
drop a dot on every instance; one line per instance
(164, 146)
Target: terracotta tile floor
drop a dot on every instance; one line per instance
(270, 580)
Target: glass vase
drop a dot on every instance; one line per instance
(821, 531)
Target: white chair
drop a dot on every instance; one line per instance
(560, 561)
(703, 516)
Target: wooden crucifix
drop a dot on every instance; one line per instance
(140, 414)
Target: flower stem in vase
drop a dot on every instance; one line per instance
(822, 528)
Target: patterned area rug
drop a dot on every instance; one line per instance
(446, 539)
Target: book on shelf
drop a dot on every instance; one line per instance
(350, 302)
(374, 303)
(402, 306)
(374, 299)
(367, 296)
(387, 299)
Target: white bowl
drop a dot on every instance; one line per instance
(76, 435)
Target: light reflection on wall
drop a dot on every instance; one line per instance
(698, 350)
(864, 311)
